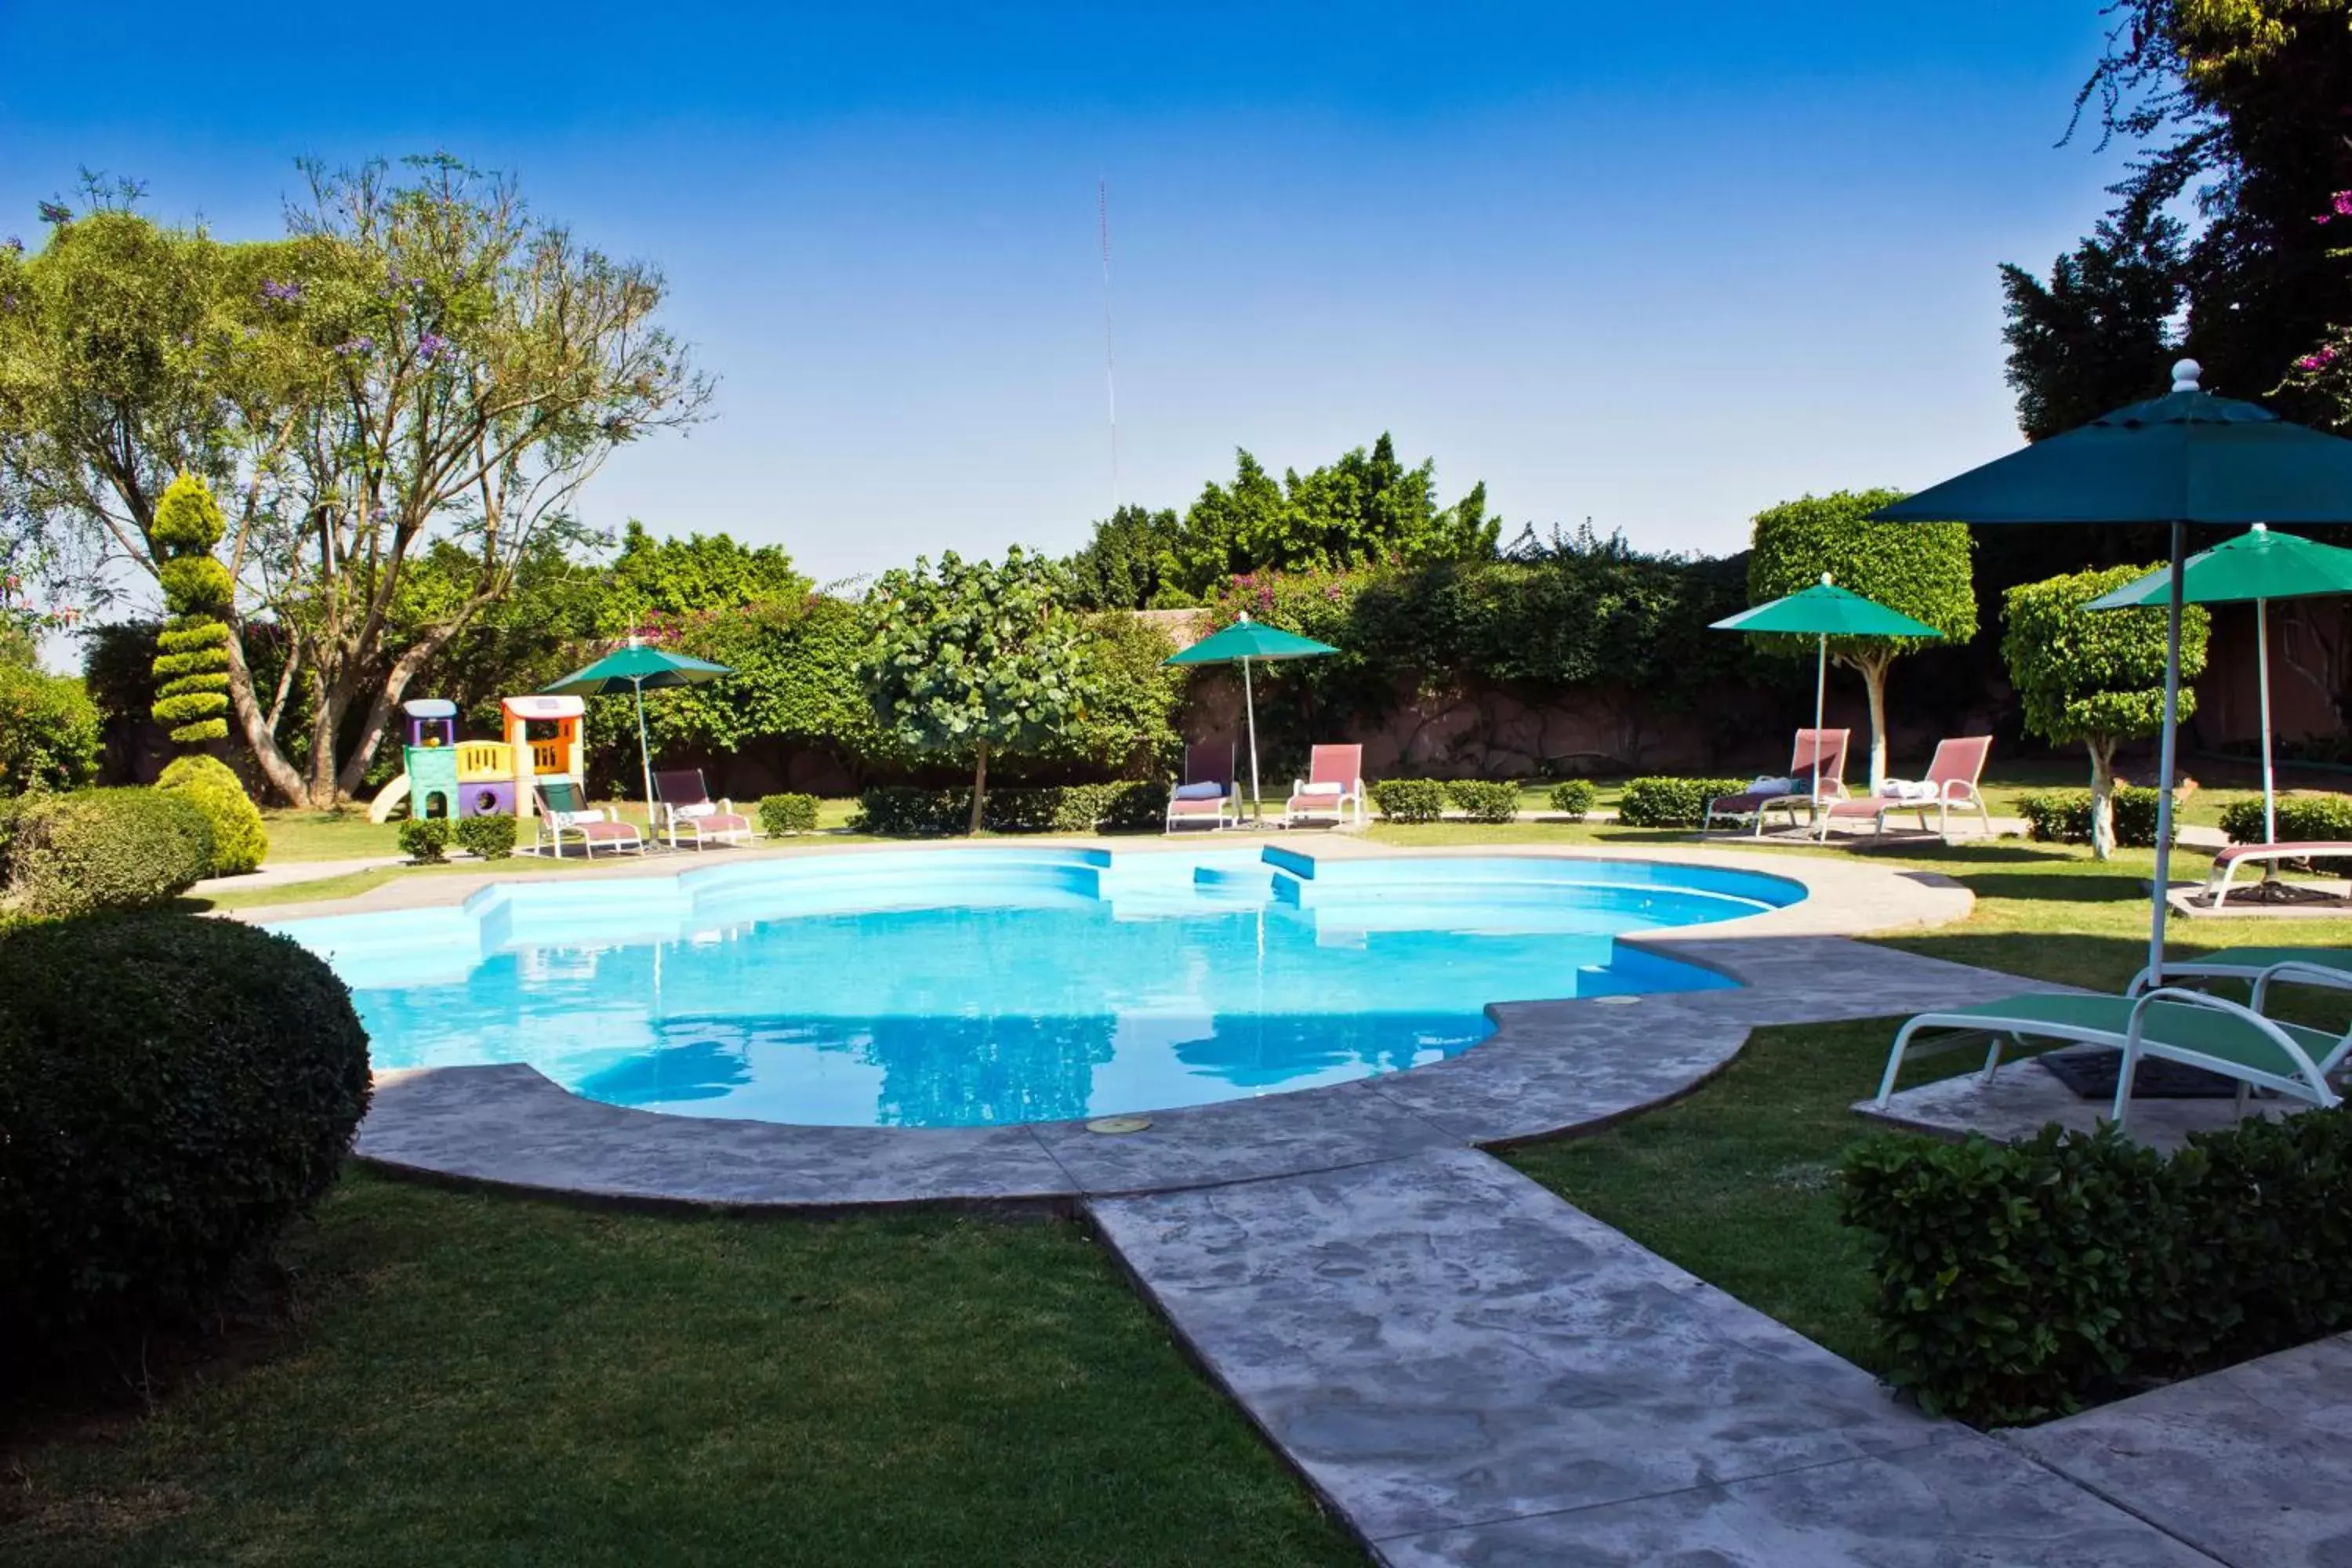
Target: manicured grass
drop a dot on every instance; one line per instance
(485, 1379)
(328, 834)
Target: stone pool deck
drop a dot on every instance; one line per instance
(1467, 1368)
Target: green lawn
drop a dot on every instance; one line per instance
(492, 1380)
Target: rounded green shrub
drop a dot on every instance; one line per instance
(1670, 802)
(174, 1092)
(1409, 800)
(487, 838)
(103, 849)
(1574, 798)
(788, 813)
(240, 842)
(425, 839)
(2302, 818)
(1485, 800)
(48, 730)
(2063, 816)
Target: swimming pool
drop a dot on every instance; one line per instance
(988, 986)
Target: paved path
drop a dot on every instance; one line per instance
(2252, 1464)
(1473, 1372)
(288, 873)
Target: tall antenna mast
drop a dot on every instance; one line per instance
(1110, 364)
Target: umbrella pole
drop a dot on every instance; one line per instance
(2262, 664)
(1249, 707)
(2172, 606)
(1820, 693)
(644, 752)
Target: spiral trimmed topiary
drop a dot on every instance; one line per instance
(191, 661)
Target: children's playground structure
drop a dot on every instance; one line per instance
(444, 776)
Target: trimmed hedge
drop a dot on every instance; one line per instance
(102, 849)
(2018, 1282)
(425, 839)
(2300, 816)
(49, 730)
(1409, 800)
(1574, 798)
(2063, 816)
(1671, 803)
(788, 813)
(1485, 800)
(240, 841)
(490, 836)
(903, 812)
(175, 1091)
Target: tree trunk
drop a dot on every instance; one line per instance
(2103, 800)
(1874, 680)
(275, 765)
(978, 786)
(326, 720)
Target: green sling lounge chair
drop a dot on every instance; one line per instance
(2330, 967)
(2168, 1023)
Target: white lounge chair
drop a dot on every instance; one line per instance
(563, 809)
(1334, 786)
(1951, 786)
(1209, 793)
(683, 808)
(2260, 967)
(1816, 778)
(2168, 1023)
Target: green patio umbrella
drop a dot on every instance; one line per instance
(1826, 611)
(1243, 643)
(2257, 566)
(632, 667)
(2187, 457)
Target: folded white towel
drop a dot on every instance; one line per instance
(1322, 789)
(1905, 789)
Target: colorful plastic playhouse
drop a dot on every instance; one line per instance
(444, 777)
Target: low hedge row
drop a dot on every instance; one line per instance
(1574, 798)
(94, 851)
(1671, 803)
(490, 836)
(900, 811)
(2015, 1282)
(174, 1092)
(788, 813)
(1409, 800)
(2063, 816)
(425, 839)
(2299, 818)
(1485, 800)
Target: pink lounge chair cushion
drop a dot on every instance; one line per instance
(715, 821)
(599, 828)
(1208, 806)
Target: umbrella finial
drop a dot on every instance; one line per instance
(1825, 579)
(2185, 373)
(2262, 528)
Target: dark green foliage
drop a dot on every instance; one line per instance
(2017, 1281)
(1485, 800)
(1574, 798)
(102, 849)
(2063, 816)
(425, 839)
(48, 730)
(654, 577)
(2098, 334)
(902, 812)
(192, 659)
(240, 841)
(2301, 818)
(1129, 564)
(788, 813)
(1409, 800)
(487, 838)
(174, 1092)
(1671, 803)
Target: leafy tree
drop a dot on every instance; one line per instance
(2240, 102)
(975, 658)
(1366, 508)
(2096, 676)
(2097, 336)
(1129, 564)
(796, 676)
(1918, 569)
(654, 577)
(192, 657)
(422, 359)
(49, 730)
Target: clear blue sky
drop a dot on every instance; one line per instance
(1656, 265)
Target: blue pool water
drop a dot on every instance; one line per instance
(957, 988)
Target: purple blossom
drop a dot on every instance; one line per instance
(2319, 359)
(359, 345)
(2341, 204)
(56, 212)
(282, 293)
(432, 346)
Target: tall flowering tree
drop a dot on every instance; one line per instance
(422, 362)
(2328, 368)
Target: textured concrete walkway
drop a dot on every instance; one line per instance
(1473, 1372)
(2252, 1464)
